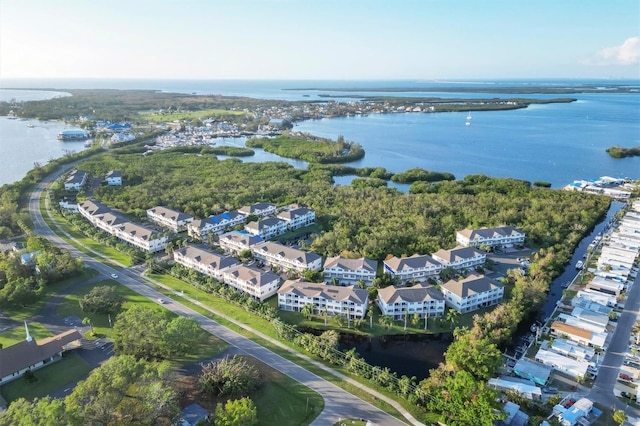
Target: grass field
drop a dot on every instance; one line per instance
(187, 115)
(69, 369)
(21, 313)
(18, 334)
(208, 346)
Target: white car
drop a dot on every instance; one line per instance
(161, 301)
(114, 276)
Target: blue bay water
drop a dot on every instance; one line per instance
(556, 142)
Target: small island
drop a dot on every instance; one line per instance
(620, 152)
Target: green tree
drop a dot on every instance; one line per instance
(481, 358)
(102, 300)
(88, 321)
(124, 391)
(229, 377)
(236, 412)
(452, 316)
(463, 401)
(307, 310)
(619, 417)
(386, 321)
(40, 412)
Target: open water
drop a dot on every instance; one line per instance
(557, 143)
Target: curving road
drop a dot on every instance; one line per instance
(339, 404)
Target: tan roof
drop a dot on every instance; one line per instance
(500, 231)
(305, 257)
(252, 276)
(239, 238)
(457, 254)
(294, 213)
(24, 354)
(170, 214)
(327, 292)
(473, 284)
(206, 257)
(415, 294)
(94, 207)
(351, 264)
(561, 327)
(138, 231)
(417, 261)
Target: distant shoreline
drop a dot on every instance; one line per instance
(497, 89)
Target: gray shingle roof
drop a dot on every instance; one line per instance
(351, 264)
(337, 293)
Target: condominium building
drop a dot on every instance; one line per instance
(471, 293)
(417, 268)
(287, 258)
(169, 218)
(421, 299)
(343, 271)
(257, 283)
(502, 236)
(295, 294)
(203, 261)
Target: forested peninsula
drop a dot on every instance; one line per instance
(620, 152)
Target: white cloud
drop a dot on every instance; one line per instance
(628, 53)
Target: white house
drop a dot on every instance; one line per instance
(17, 359)
(258, 284)
(114, 178)
(350, 300)
(577, 414)
(267, 227)
(460, 257)
(203, 261)
(76, 180)
(502, 236)
(571, 349)
(237, 242)
(287, 257)
(577, 334)
(258, 209)
(471, 293)
(415, 268)
(524, 387)
(602, 285)
(349, 271)
(572, 367)
(297, 217)
(169, 218)
(598, 297)
(424, 300)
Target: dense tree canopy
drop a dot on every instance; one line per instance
(150, 334)
(237, 412)
(102, 300)
(122, 391)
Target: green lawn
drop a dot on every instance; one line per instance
(26, 312)
(18, 334)
(265, 327)
(284, 401)
(208, 346)
(69, 369)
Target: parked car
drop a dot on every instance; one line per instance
(628, 395)
(114, 276)
(625, 377)
(550, 389)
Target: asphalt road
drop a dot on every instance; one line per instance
(602, 390)
(339, 404)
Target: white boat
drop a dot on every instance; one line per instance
(580, 264)
(29, 125)
(468, 123)
(469, 116)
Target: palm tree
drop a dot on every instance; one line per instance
(386, 321)
(361, 284)
(324, 313)
(86, 321)
(406, 314)
(348, 317)
(307, 311)
(452, 316)
(370, 314)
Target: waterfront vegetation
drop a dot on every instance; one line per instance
(357, 220)
(163, 116)
(303, 146)
(620, 152)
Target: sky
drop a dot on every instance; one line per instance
(319, 39)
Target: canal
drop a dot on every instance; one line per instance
(416, 355)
